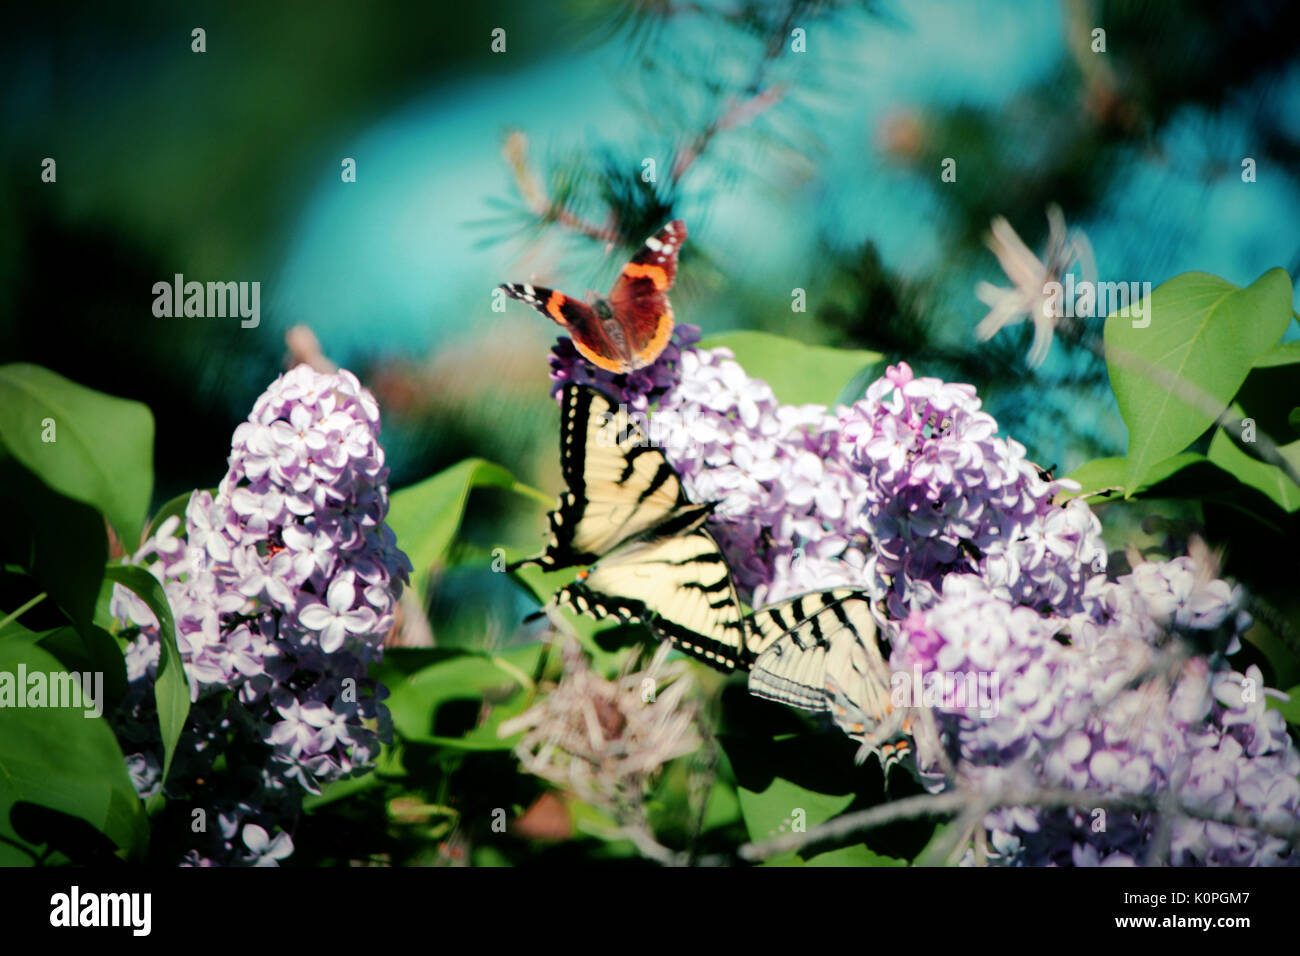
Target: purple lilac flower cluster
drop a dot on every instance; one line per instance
(787, 503)
(911, 494)
(282, 590)
(946, 494)
(1123, 709)
(639, 389)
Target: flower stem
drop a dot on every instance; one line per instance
(23, 610)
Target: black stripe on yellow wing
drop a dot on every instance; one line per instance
(858, 694)
(822, 652)
(678, 585)
(810, 618)
(619, 486)
(792, 642)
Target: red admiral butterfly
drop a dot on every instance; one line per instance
(628, 330)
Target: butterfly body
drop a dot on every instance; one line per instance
(631, 327)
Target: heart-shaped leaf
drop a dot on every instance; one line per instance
(91, 447)
(426, 516)
(799, 374)
(1176, 370)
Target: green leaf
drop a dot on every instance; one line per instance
(171, 688)
(416, 695)
(1277, 650)
(104, 617)
(1269, 392)
(1096, 478)
(94, 650)
(60, 542)
(857, 855)
(723, 808)
(772, 812)
(1109, 474)
(11, 630)
(59, 758)
(426, 516)
(775, 811)
(1290, 708)
(102, 453)
(1267, 477)
(941, 845)
(1185, 477)
(1235, 448)
(799, 374)
(1175, 376)
(1284, 353)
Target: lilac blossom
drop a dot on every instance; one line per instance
(335, 619)
(262, 849)
(945, 494)
(638, 389)
(282, 591)
(1106, 713)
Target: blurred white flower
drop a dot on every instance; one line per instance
(1029, 295)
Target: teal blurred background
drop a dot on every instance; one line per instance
(225, 166)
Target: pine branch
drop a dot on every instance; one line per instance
(737, 114)
(543, 206)
(754, 97)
